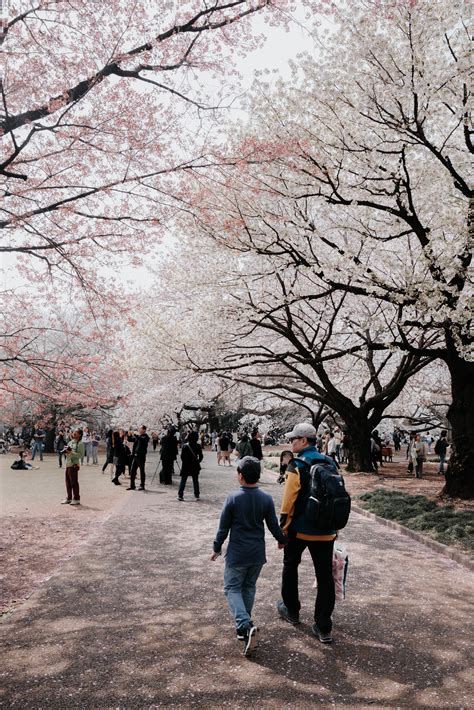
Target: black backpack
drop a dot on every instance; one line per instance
(328, 505)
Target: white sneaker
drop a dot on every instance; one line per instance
(75, 502)
(66, 500)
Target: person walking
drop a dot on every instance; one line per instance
(244, 447)
(441, 447)
(74, 456)
(154, 440)
(139, 452)
(191, 457)
(38, 442)
(109, 451)
(302, 533)
(118, 456)
(244, 514)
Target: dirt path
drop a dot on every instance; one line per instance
(137, 619)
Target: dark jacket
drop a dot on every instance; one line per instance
(256, 448)
(140, 446)
(244, 514)
(169, 448)
(191, 456)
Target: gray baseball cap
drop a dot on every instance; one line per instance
(300, 430)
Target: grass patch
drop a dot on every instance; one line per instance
(443, 523)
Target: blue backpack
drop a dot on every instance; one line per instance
(328, 505)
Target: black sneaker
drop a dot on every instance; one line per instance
(141, 488)
(287, 615)
(324, 638)
(241, 632)
(180, 499)
(250, 640)
(131, 488)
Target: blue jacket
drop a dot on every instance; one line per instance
(244, 514)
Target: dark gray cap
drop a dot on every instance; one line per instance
(249, 467)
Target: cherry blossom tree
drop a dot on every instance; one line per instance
(373, 175)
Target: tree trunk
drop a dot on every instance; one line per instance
(460, 472)
(360, 458)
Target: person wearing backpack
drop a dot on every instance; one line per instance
(303, 532)
(440, 449)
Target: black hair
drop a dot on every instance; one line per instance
(311, 440)
(250, 476)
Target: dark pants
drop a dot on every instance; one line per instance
(321, 553)
(137, 463)
(166, 473)
(419, 468)
(60, 459)
(72, 482)
(182, 485)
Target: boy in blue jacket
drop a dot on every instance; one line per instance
(244, 514)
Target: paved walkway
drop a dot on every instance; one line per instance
(137, 619)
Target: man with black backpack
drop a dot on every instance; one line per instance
(315, 505)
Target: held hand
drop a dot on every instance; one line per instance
(282, 545)
(214, 556)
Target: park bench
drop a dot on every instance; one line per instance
(387, 453)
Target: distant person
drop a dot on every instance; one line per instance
(154, 440)
(95, 440)
(109, 452)
(38, 442)
(224, 448)
(421, 454)
(244, 514)
(191, 457)
(332, 446)
(74, 454)
(285, 458)
(441, 448)
(87, 441)
(244, 447)
(256, 445)
(139, 452)
(59, 446)
(377, 449)
(168, 455)
(20, 464)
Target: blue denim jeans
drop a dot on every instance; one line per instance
(240, 584)
(37, 446)
(442, 459)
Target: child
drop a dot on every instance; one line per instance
(285, 458)
(243, 514)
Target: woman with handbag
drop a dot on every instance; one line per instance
(191, 457)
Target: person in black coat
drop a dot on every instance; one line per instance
(256, 446)
(139, 452)
(191, 457)
(168, 455)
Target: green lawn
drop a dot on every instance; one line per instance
(443, 523)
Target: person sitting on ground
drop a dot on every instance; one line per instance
(243, 515)
(191, 457)
(20, 464)
(244, 448)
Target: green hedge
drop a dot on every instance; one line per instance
(444, 523)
